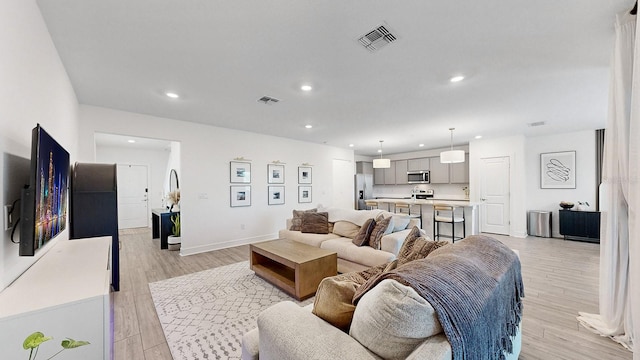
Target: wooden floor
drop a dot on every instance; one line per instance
(560, 277)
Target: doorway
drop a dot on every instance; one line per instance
(133, 196)
(495, 195)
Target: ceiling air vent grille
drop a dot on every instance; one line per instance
(377, 38)
(534, 124)
(268, 100)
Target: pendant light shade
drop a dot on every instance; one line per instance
(381, 163)
(452, 156)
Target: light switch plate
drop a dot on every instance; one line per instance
(8, 221)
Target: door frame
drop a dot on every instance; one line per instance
(508, 218)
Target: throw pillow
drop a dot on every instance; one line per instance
(315, 222)
(391, 320)
(333, 301)
(296, 220)
(362, 238)
(346, 229)
(383, 227)
(417, 248)
(400, 222)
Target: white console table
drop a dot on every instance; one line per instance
(66, 293)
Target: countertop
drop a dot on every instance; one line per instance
(427, 202)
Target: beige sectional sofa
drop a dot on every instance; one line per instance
(345, 224)
(393, 321)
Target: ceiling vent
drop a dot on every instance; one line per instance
(268, 100)
(534, 124)
(377, 38)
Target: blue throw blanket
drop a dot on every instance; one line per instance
(475, 287)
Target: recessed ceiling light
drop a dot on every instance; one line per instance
(351, 145)
(131, 141)
(478, 136)
(172, 95)
(421, 145)
(379, 150)
(306, 88)
(457, 78)
(308, 126)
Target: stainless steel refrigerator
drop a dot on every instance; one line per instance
(364, 190)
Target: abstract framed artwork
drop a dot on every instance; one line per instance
(304, 175)
(240, 172)
(275, 174)
(558, 170)
(240, 195)
(304, 194)
(276, 195)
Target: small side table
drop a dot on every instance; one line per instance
(161, 225)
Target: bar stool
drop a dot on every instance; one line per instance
(370, 205)
(447, 214)
(405, 208)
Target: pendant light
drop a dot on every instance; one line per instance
(452, 156)
(381, 163)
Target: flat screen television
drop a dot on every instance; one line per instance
(44, 199)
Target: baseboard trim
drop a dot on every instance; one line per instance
(224, 245)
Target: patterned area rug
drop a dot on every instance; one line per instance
(205, 314)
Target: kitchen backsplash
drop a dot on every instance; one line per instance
(441, 191)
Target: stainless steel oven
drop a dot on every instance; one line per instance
(418, 177)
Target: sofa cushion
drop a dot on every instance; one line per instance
(346, 229)
(391, 320)
(333, 301)
(296, 220)
(383, 227)
(415, 248)
(400, 222)
(306, 238)
(315, 223)
(364, 255)
(362, 237)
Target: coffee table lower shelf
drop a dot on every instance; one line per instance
(295, 268)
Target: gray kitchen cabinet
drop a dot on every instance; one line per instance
(401, 172)
(363, 167)
(378, 176)
(438, 172)
(460, 172)
(390, 174)
(418, 164)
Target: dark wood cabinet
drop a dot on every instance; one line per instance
(580, 225)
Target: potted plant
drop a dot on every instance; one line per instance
(33, 341)
(174, 240)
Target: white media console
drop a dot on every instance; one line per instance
(66, 293)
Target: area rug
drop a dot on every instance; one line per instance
(204, 314)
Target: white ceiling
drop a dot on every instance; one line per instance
(524, 62)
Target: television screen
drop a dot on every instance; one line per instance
(44, 201)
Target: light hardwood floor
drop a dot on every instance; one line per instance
(560, 278)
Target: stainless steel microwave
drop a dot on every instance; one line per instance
(418, 177)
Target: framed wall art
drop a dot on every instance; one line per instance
(240, 172)
(240, 195)
(304, 194)
(275, 174)
(276, 195)
(304, 175)
(558, 170)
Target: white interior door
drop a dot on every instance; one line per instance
(494, 194)
(133, 202)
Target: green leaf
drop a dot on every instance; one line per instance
(69, 343)
(34, 340)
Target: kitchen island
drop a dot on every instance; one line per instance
(471, 213)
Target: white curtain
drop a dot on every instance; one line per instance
(619, 243)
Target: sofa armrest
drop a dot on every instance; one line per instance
(287, 331)
(436, 347)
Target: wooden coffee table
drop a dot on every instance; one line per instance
(294, 267)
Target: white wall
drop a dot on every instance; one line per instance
(34, 88)
(524, 154)
(208, 221)
(155, 160)
(584, 144)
